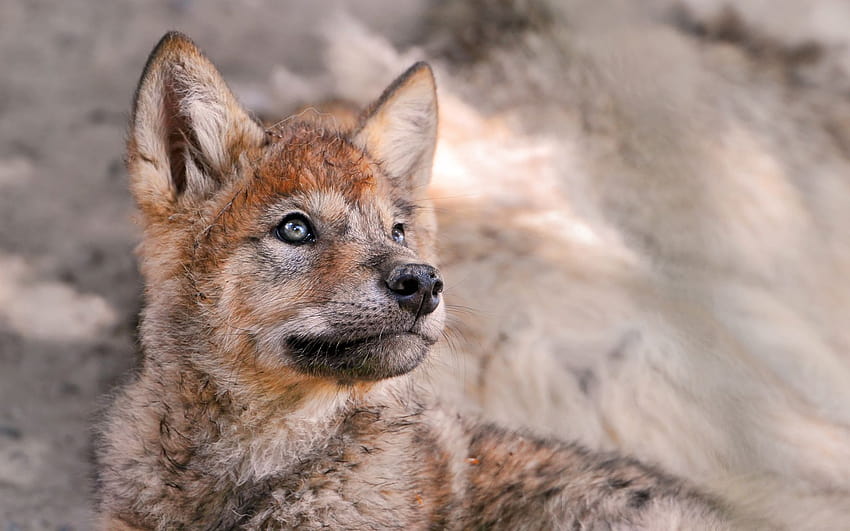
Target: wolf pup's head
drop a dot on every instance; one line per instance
(283, 253)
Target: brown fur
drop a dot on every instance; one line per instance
(228, 424)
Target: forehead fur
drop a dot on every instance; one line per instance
(301, 158)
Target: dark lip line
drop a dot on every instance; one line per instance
(305, 344)
(324, 340)
(319, 343)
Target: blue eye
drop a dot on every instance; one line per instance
(398, 233)
(295, 229)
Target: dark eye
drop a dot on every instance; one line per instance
(398, 233)
(295, 229)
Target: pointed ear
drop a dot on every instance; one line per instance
(187, 130)
(400, 129)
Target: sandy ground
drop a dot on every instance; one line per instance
(69, 287)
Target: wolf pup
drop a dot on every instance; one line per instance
(290, 292)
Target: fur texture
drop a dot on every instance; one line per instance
(644, 220)
(276, 387)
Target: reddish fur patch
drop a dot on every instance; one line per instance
(299, 158)
(302, 158)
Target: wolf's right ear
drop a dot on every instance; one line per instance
(400, 129)
(187, 130)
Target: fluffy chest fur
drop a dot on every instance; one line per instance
(335, 460)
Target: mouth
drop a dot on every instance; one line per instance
(370, 358)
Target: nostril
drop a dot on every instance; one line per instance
(416, 287)
(438, 287)
(407, 286)
(404, 284)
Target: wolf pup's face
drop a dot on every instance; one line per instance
(291, 249)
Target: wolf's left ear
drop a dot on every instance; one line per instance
(400, 129)
(187, 131)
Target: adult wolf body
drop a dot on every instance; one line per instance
(289, 296)
(665, 200)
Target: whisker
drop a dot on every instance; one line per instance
(459, 308)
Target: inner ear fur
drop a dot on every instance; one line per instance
(400, 129)
(187, 129)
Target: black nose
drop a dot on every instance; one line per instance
(416, 287)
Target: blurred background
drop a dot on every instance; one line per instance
(70, 289)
